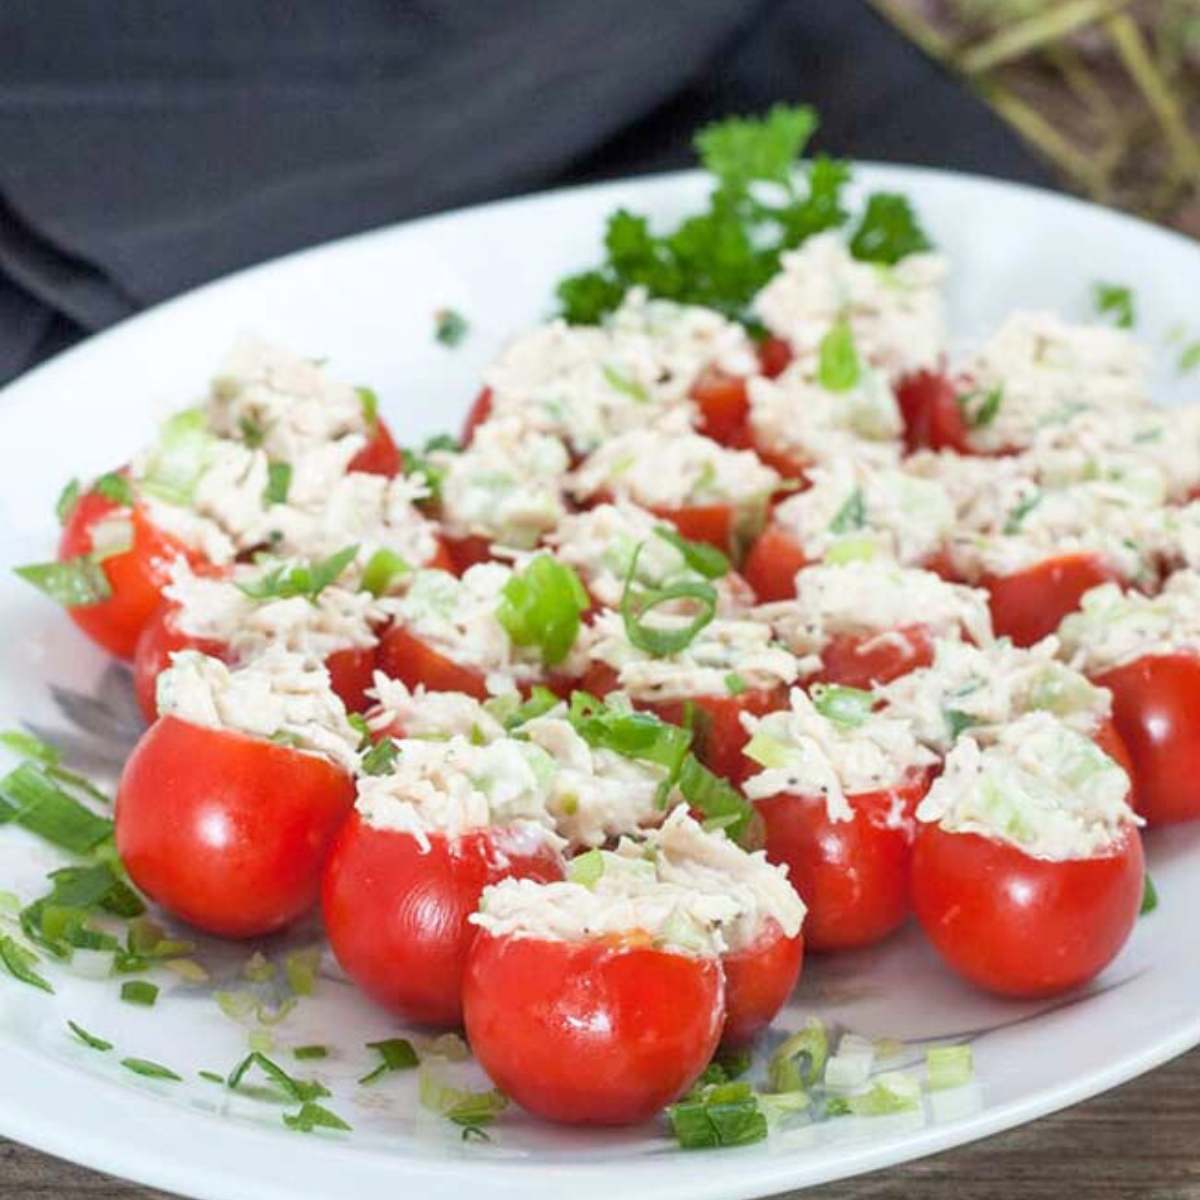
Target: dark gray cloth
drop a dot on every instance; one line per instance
(149, 145)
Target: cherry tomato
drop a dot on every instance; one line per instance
(1029, 605)
(715, 524)
(866, 660)
(480, 411)
(404, 656)
(1024, 926)
(593, 1032)
(380, 456)
(853, 875)
(225, 831)
(774, 356)
(723, 406)
(158, 641)
(1156, 710)
(1105, 736)
(396, 915)
(136, 577)
(932, 417)
(770, 567)
(758, 981)
(351, 672)
(466, 552)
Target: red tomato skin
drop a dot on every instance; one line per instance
(404, 656)
(1156, 711)
(932, 418)
(227, 832)
(466, 552)
(774, 356)
(715, 524)
(397, 916)
(770, 567)
(853, 875)
(380, 456)
(479, 412)
(158, 641)
(136, 577)
(788, 465)
(724, 406)
(844, 659)
(758, 981)
(1024, 926)
(590, 1033)
(351, 672)
(1105, 736)
(1029, 605)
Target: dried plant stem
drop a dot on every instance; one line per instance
(914, 27)
(1082, 82)
(1019, 38)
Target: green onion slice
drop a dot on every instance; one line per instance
(702, 558)
(19, 963)
(800, 1060)
(848, 707)
(380, 757)
(300, 579)
(149, 1070)
(139, 991)
(314, 1116)
(299, 1090)
(74, 583)
(716, 798)
(40, 805)
(383, 568)
(460, 1105)
(542, 606)
(838, 365)
(852, 515)
(89, 1039)
(396, 1054)
(181, 456)
(279, 483)
(637, 602)
(948, 1066)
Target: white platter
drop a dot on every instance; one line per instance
(367, 304)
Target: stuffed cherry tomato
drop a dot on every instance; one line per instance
(584, 1022)
(227, 830)
(133, 569)
(728, 669)
(396, 904)
(837, 796)
(1028, 871)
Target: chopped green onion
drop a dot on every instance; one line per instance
(541, 606)
(89, 1039)
(272, 1016)
(715, 798)
(957, 721)
(586, 869)
(1149, 897)
(42, 807)
(891, 1092)
(258, 968)
(261, 1041)
(75, 583)
(848, 707)
(115, 487)
(702, 558)
(852, 515)
(253, 434)
(979, 409)
(237, 1006)
(28, 746)
(1115, 300)
(720, 1114)
(180, 457)
(847, 550)
(397, 1054)
(381, 757)
(314, 1116)
(300, 967)
(1016, 517)
(279, 483)
(637, 602)
(1189, 358)
(138, 991)
(299, 1090)
(800, 1060)
(149, 1070)
(299, 579)
(370, 405)
(636, 735)
(627, 387)
(735, 685)
(309, 1052)
(383, 568)
(513, 713)
(68, 498)
(419, 463)
(19, 963)
(449, 326)
(838, 365)
(474, 1133)
(188, 969)
(212, 1077)
(948, 1066)
(460, 1105)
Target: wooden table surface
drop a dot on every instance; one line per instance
(1141, 1140)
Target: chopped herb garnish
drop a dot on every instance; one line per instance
(299, 1090)
(948, 1066)
(314, 1116)
(735, 685)
(309, 1052)
(512, 713)
(1114, 300)
(1016, 517)
(115, 487)
(279, 483)
(450, 326)
(300, 579)
(845, 706)
(635, 735)
(75, 583)
(543, 606)
(40, 805)
(1149, 897)
(957, 721)
(838, 365)
(721, 804)
(89, 1039)
(586, 869)
(19, 961)
(180, 457)
(718, 1114)
(370, 405)
(702, 558)
(300, 967)
(68, 498)
(212, 1077)
(460, 1105)
(383, 568)
(852, 515)
(800, 1060)
(624, 385)
(252, 432)
(1189, 357)
(381, 757)
(418, 462)
(149, 1070)
(979, 409)
(637, 601)
(258, 968)
(888, 231)
(139, 991)
(397, 1054)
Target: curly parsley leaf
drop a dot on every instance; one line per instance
(888, 231)
(1115, 300)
